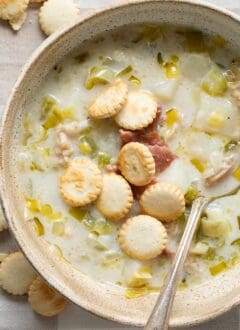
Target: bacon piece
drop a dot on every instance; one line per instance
(162, 156)
(138, 191)
(150, 137)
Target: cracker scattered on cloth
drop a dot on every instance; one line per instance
(165, 201)
(136, 163)
(138, 112)
(81, 183)
(12, 9)
(16, 274)
(44, 300)
(3, 224)
(115, 200)
(110, 101)
(54, 14)
(143, 237)
(18, 22)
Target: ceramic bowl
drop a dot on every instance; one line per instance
(192, 305)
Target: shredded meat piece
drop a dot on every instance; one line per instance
(64, 133)
(150, 137)
(221, 172)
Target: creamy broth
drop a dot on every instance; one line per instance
(193, 77)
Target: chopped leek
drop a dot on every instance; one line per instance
(87, 146)
(99, 75)
(48, 104)
(214, 83)
(57, 115)
(132, 293)
(100, 227)
(182, 285)
(171, 70)
(198, 164)
(215, 228)
(190, 195)
(32, 205)
(78, 213)
(134, 81)
(124, 71)
(141, 277)
(47, 211)
(236, 173)
(210, 255)
(58, 228)
(214, 270)
(236, 242)
(172, 117)
(234, 260)
(103, 160)
(35, 167)
(39, 227)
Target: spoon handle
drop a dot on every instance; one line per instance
(159, 317)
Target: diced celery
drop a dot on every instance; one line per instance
(171, 70)
(219, 41)
(32, 205)
(198, 164)
(190, 195)
(160, 58)
(215, 228)
(39, 227)
(236, 173)
(78, 213)
(99, 75)
(87, 145)
(103, 159)
(134, 81)
(132, 293)
(172, 117)
(214, 270)
(214, 83)
(81, 58)
(58, 228)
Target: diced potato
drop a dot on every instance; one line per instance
(217, 115)
(201, 64)
(166, 90)
(58, 228)
(200, 248)
(215, 228)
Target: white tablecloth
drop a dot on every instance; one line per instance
(15, 312)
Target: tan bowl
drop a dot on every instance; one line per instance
(193, 305)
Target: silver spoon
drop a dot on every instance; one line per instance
(159, 318)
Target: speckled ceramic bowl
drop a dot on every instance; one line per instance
(193, 305)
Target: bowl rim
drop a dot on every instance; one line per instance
(45, 45)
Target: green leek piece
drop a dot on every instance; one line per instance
(87, 146)
(103, 160)
(171, 70)
(236, 173)
(99, 75)
(134, 81)
(32, 205)
(190, 195)
(132, 293)
(231, 145)
(39, 227)
(214, 83)
(124, 71)
(79, 213)
(214, 270)
(172, 117)
(236, 242)
(160, 59)
(198, 164)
